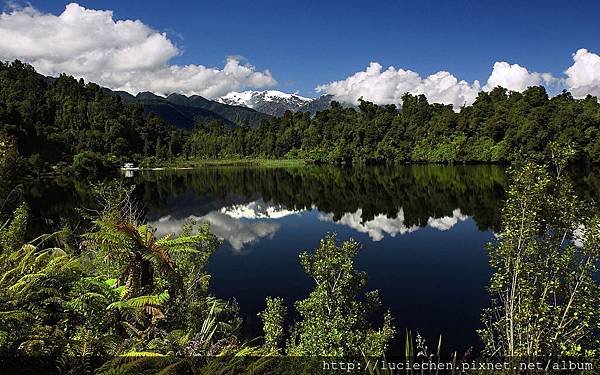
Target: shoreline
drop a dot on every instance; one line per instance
(190, 165)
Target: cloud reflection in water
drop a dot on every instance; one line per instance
(242, 224)
(382, 224)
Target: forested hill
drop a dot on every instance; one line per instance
(50, 122)
(501, 126)
(185, 111)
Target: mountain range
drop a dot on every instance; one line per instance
(276, 103)
(271, 102)
(232, 109)
(185, 111)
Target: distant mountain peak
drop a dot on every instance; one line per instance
(272, 102)
(249, 98)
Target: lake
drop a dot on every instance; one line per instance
(423, 229)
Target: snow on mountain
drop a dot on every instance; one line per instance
(271, 102)
(252, 98)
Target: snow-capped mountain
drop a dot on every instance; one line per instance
(271, 102)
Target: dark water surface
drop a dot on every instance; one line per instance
(423, 231)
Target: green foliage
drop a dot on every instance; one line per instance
(128, 292)
(501, 127)
(49, 123)
(8, 153)
(89, 163)
(336, 316)
(161, 282)
(12, 233)
(544, 262)
(34, 286)
(273, 318)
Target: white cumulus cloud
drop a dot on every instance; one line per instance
(583, 77)
(120, 54)
(516, 78)
(388, 86)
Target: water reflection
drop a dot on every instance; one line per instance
(242, 224)
(237, 232)
(392, 226)
(258, 209)
(423, 192)
(238, 224)
(423, 229)
(447, 222)
(375, 227)
(245, 223)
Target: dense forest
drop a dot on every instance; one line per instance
(501, 126)
(56, 124)
(66, 125)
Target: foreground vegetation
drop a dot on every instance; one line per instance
(545, 297)
(117, 291)
(114, 298)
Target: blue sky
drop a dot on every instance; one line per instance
(307, 43)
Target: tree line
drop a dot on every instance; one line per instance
(500, 127)
(64, 124)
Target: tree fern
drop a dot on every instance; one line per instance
(141, 301)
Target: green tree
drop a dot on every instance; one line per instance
(273, 318)
(336, 316)
(161, 281)
(545, 296)
(89, 163)
(12, 233)
(8, 153)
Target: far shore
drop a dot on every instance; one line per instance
(194, 164)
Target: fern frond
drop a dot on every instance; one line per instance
(141, 301)
(16, 315)
(141, 354)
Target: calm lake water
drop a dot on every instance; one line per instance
(423, 229)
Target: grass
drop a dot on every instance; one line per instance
(272, 163)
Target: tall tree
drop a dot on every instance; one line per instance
(545, 297)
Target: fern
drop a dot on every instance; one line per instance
(142, 354)
(141, 301)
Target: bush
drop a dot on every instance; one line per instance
(89, 163)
